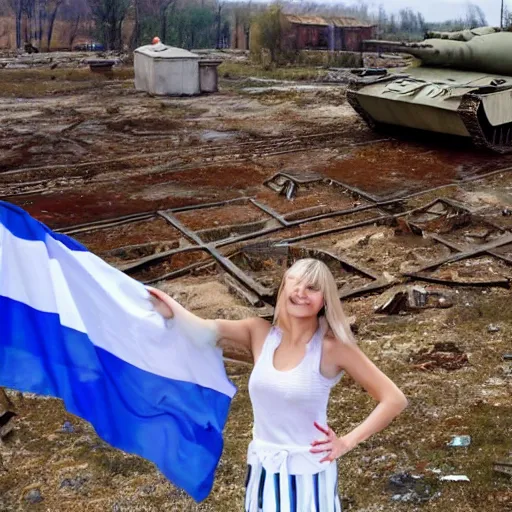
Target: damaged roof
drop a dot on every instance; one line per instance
(337, 21)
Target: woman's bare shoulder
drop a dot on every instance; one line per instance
(333, 347)
(259, 329)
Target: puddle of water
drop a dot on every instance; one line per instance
(214, 135)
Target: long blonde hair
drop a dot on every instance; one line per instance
(316, 273)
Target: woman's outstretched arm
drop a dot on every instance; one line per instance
(240, 332)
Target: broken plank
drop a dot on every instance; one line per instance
(191, 235)
(155, 258)
(217, 204)
(320, 254)
(500, 283)
(180, 272)
(448, 243)
(374, 220)
(476, 251)
(262, 291)
(459, 248)
(245, 294)
(106, 223)
(503, 467)
(271, 212)
(370, 288)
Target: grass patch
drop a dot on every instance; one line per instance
(246, 69)
(37, 82)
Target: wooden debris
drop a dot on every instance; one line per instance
(7, 414)
(503, 467)
(446, 356)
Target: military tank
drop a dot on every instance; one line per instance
(462, 86)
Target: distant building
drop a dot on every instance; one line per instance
(328, 33)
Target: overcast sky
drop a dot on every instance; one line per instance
(437, 10)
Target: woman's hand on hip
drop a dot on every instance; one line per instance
(332, 445)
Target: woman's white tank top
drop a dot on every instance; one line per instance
(287, 403)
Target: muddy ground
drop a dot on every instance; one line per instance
(78, 149)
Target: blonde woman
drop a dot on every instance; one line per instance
(297, 360)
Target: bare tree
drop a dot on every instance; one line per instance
(164, 9)
(17, 7)
(73, 29)
(220, 5)
(475, 16)
(27, 9)
(137, 12)
(4, 24)
(51, 22)
(76, 17)
(109, 16)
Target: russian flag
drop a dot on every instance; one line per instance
(73, 327)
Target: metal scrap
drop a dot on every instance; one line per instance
(411, 298)
(439, 216)
(409, 488)
(458, 441)
(454, 478)
(290, 190)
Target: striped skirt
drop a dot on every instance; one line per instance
(282, 492)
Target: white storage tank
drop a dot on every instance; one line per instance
(166, 70)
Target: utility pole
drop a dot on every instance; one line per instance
(501, 17)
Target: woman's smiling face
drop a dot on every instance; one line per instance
(302, 299)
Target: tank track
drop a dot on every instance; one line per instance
(352, 89)
(468, 112)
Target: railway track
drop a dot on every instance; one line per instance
(33, 180)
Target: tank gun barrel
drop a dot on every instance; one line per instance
(416, 49)
(488, 53)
